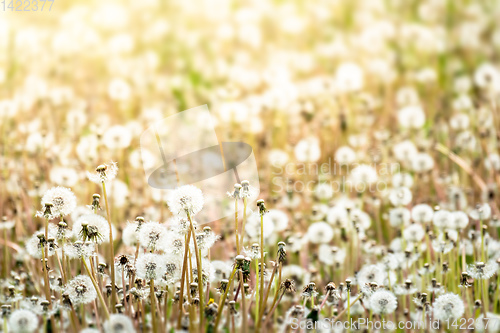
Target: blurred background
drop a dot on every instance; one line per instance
(294, 79)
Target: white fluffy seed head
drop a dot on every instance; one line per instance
(62, 199)
(460, 220)
(150, 266)
(23, 321)
(371, 273)
(130, 235)
(422, 213)
(414, 233)
(400, 196)
(442, 219)
(34, 246)
(81, 290)
(412, 116)
(97, 228)
(152, 236)
(319, 233)
(448, 306)
(184, 200)
(399, 216)
(104, 173)
(383, 302)
(119, 323)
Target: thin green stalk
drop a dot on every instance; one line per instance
(243, 303)
(112, 250)
(223, 300)
(199, 271)
(152, 296)
(96, 287)
(261, 274)
(257, 298)
(243, 224)
(236, 231)
(183, 276)
(5, 254)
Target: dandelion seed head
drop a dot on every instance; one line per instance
(323, 191)
(130, 235)
(279, 219)
(481, 270)
(81, 290)
(399, 216)
(307, 150)
(153, 236)
(119, 323)
(150, 266)
(363, 175)
(93, 227)
(23, 321)
(184, 200)
(319, 232)
(62, 199)
(448, 306)
(383, 302)
(422, 162)
(400, 196)
(442, 219)
(345, 155)
(481, 212)
(412, 116)
(371, 273)
(104, 173)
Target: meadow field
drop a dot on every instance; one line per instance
(249, 166)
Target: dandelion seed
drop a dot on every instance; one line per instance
(23, 321)
(92, 227)
(185, 200)
(119, 323)
(104, 173)
(80, 290)
(400, 196)
(371, 273)
(482, 270)
(383, 302)
(448, 306)
(79, 249)
(399, 216)
(61, 201)
(150, 266)
(482, 212)
(152, 236)
(319, 232)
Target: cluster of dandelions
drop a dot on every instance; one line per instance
(402, 224)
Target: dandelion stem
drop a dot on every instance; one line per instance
(5, 254)
(199, 271)
(243, 302)
(183, 276)
(112, 250)
(153, 303)
(257, 295)
(96, 287)
(223, 300)
(261, 273)
(243, 224)
(236, 231)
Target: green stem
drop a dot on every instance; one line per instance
(223, 300)
(199, 271)
(183, 277)
(112, 250)
(96, 287)
(236, 231)
(152, 296)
